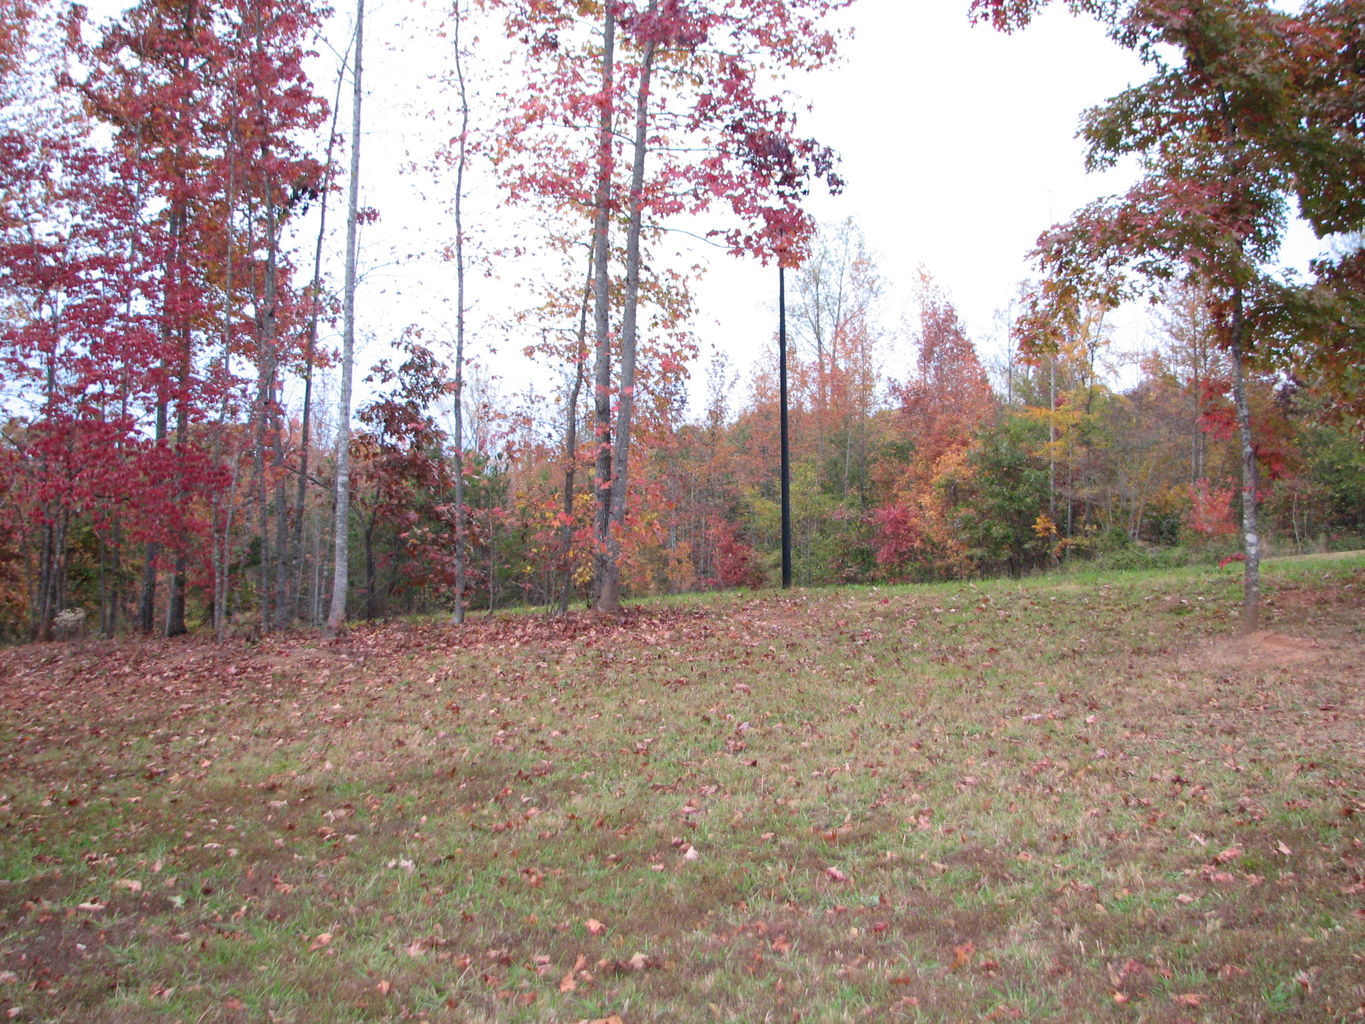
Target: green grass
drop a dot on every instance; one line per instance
(1063, 799)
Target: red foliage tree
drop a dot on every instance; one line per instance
(682, 83)
(207, 102)
(941, 408)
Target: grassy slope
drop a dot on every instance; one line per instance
(1061, 800)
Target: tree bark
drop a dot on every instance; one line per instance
(609, 597)
(457, 615)
(296, 539)
(571, 445)
(222, 539)
(1251, 575)
(336, 615)
(602, 466)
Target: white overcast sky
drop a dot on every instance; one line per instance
(958, 142)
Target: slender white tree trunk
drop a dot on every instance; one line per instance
(336, 615)
(609, 599)
(461, 154)
(602, 307)
(1251, 577)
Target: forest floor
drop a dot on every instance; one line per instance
(1075, 798)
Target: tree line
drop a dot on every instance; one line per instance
(156, 171)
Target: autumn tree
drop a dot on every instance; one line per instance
(77, 352)
(404, 481)
(941, 407)
(1061, 336)
(206, 104)
(1232, 123)
(835, 293)
(677, 104)
(462, 145)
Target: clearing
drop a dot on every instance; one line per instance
(1076, 798)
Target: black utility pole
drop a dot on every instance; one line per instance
(786, 448)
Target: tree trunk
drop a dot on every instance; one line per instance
(371, 573)
(146, 610)
(571, 446)
(175, 597)
(462, 153)
(1251, 576)
(296, 540)
(111, 585)
(222, 518)
(602, 306)
(51, 570)
(336, 615)
(609, 597)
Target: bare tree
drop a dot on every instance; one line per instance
(336, 615)
(461, 154)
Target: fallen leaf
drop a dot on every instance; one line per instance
(962, 955)
(836, 875)
(131, 884)
(567, 984)
(385, 987)
(1192, 999)
(595, 927)
(319, 941)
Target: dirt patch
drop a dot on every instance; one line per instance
(1263, 649)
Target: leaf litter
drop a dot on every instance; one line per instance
(934, 816)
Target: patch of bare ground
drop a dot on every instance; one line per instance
(1262, 649)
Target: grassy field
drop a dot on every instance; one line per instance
(1067, 799)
